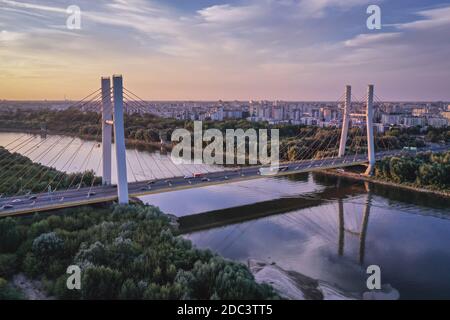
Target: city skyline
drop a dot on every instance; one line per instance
(231, 50)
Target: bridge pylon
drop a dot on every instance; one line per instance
(119, 139)
(370, 134)
(345, 121)
(107, 123)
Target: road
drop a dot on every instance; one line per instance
(76, 197)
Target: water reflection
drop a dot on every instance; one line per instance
(333, 231)
(361, 234)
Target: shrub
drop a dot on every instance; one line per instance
(47, 245)
(9, 235)
(8, 265)
(7, 292)
(100, 283)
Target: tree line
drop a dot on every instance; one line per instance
(20, 175)
(425, 170)
(147, 130)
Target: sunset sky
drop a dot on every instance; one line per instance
(226, 49)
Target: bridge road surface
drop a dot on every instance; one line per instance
(98, 194)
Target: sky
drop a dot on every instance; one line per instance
(226, 49)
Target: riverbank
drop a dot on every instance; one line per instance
(362, 177)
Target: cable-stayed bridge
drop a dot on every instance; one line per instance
(345, 147)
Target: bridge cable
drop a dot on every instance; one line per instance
(27, 170)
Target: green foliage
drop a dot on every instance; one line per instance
(19, 175)
(220, 279)
(7, 292)
(10, 237)
(425, 170)
(125, 252)
(47, 245)
(61, 291)
(8, 265)
(101, 283)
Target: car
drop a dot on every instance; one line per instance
(226, 177)
(90, 194)
(16, 200)
(205, 179)
(151, 182)
(7, 206)
(189, 176)
(32, 198)
(144, 188)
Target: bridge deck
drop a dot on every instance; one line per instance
(78, 197)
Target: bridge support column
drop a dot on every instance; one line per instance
(106, 130)
(345, 121)
(119, 139)
(370, 136)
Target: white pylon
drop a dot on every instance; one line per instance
(106, 130)
(345, 121)
(370, 136)
(119, 139)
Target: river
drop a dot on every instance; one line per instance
(325, 227)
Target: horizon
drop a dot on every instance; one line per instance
(235, 50)
(244, 100)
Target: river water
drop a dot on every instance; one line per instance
(322, 226)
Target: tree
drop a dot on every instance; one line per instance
(8, 265)
(10, 237)
(47, 245)
(100, 283)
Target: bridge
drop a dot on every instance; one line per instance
(113, 106)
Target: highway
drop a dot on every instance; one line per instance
(10, 206)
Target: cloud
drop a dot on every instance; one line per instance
(434, 18)
(230, 14)
(367, 40)
(317, 8)
(10, 36)
(26, 5)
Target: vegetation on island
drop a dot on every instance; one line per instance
(19, 175)
(424, 170)
(124, 252)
